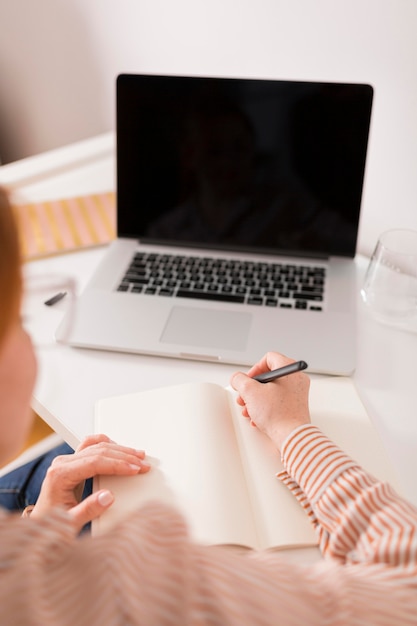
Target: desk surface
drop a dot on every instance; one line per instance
(71, 380)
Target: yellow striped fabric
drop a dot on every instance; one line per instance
(64, 225)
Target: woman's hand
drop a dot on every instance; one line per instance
(64, 481)
(277, 407)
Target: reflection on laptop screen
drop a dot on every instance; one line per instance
(247, 164)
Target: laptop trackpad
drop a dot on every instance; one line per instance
(207, 328)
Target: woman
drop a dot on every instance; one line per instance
(147, 570)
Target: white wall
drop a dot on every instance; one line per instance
(59, 60)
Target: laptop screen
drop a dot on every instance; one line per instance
(242, 164)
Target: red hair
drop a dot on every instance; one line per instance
(10, 266)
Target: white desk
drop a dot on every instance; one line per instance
(71, 380)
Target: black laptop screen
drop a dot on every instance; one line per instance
(243, 164)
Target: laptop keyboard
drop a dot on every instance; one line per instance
(226, 280)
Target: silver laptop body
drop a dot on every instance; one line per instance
(238, 204)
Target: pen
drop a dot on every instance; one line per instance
(267, 377)
(56, 298)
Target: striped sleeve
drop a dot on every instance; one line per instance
(359, 518)
(148, 571)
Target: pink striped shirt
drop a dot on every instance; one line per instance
(147, 571)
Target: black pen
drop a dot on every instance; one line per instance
(56, 298)
(267, 377)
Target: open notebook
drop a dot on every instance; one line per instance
(218, 470)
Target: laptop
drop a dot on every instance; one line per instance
(238, 204)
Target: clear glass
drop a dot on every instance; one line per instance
(47, 298)
(390, 285)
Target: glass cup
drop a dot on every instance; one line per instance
(390, 285)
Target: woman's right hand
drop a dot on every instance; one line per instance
(277, 407)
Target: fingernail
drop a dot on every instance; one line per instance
(105, 498)
(135, 466)
(140, 466)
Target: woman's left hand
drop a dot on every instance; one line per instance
(64, 481)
